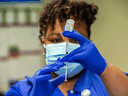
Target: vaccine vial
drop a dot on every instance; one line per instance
(69, 25)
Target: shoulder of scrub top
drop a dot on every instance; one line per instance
(125, 73)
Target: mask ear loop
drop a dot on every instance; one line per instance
(44, 53)
(45, 48)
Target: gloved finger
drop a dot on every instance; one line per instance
(56, 64)
(76, 51)
(43, 78)
(54, 67)
(76, 57)
(47, 71)
(59, 59)
(59, 63)
(57, 81)
(75, 35)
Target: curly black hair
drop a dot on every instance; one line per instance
(62, 9)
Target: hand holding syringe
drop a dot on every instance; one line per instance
(68, 27)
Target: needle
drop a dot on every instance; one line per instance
(66, 62)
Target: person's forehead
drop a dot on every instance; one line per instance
(79, 26)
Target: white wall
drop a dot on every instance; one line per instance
(27, 39)
(110, 31)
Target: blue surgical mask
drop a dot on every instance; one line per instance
(54, 51)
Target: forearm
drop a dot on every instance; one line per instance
(115, 81)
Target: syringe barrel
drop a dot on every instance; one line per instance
(66, 48)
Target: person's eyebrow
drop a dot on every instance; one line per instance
(55, 34)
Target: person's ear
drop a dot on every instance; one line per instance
(43, 41)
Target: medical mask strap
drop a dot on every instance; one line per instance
(45, 48)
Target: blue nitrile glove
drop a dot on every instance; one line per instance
(44, 85)
(87, 54)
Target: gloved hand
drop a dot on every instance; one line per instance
(87, 54)
(45, 86)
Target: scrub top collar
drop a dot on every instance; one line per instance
(84, 81)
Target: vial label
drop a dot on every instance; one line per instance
(69, 25)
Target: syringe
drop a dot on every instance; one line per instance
(68, 27)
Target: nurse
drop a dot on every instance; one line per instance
(88, 72)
